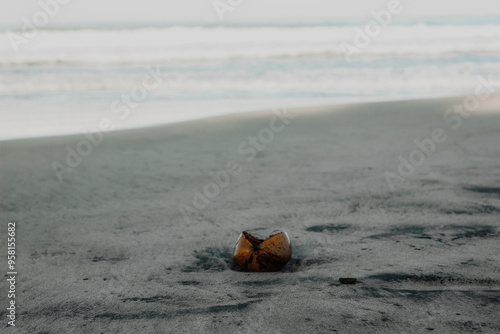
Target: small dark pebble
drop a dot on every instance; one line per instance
(429, 328)
(86, 279)
(347, 280)
(104, 279)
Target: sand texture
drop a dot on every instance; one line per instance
(107, 250)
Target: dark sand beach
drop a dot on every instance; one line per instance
(118, 246)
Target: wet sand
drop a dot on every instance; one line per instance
(138, 237)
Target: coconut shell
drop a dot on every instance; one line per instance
(255, 254)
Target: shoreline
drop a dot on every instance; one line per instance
(342, 102)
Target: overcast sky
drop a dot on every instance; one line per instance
(84, 11)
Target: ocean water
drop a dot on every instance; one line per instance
(67, 80)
